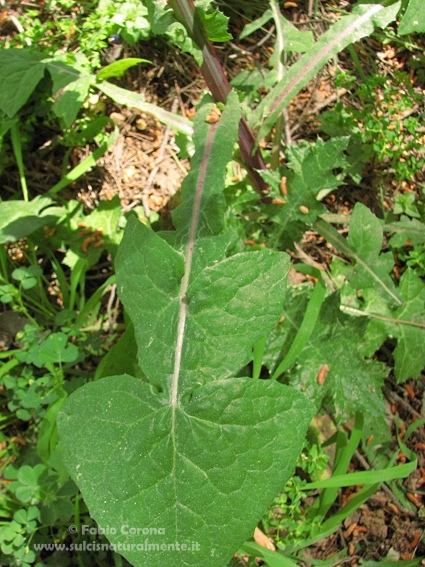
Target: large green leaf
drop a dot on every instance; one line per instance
(194, 457)
(200, 472)
(405, 323)
(219, 338)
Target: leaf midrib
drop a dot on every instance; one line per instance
(188, 267)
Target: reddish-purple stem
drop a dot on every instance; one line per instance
(216, 80)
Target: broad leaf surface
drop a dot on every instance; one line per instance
(219, 338)
(337, 123)
(316, 163)
(409, 353)
(371, 302)
(202, 472)
(405, 323)
(197, 454)
(20, 73)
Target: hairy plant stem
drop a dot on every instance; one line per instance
(216, 80)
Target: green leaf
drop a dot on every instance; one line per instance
(23, 273)
(61, 73)
(338, 122)
(413, 20)
(306, 329)
(363, 477)
(405, 323)
(409, 354)
(310, 177)
(53, 350)
(21, 218)
(365, 239)
(149, 283)
(256, 24)
(72, 98)
(177, 34)
(374, 306)
(30, 475)
(117, 359)
(406, 231)
(316, 163)
(182, 470)
(348, 381)
(178, 456)
(28, 486)
(405, 203)
(215, 25)
(151, 276)
(160, 16)
(118, 68)
(47, 432)
(348, 29)
(27, 516)
(20, 73)
(291, 38)
(105, 219)
(364, 243)
(136, 100)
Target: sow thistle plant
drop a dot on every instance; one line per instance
(196, 447)
(201, 443)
